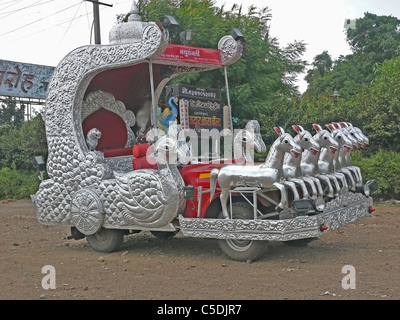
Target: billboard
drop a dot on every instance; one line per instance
(200, 108)
(181, 53)
(24, 80)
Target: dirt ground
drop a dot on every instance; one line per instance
(182, 268)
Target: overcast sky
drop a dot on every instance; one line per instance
(44, 31)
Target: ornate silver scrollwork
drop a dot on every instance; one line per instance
(87, 211)
(70, 165)
(340, 212)
(101, 99)
(230, 50)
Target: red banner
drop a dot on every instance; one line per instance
(181, 53)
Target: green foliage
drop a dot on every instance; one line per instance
(374, 40)
(263, 81)
(18, 146)
(17, 184)
(384, 166)
(11, 114)
(377, 107)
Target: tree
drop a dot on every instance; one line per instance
(376, 108)
(374, 40)
(18, 146)
(263, 81)
(11, 114)
(373, 34)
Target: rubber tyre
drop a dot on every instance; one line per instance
(242, 250)
(106, 240)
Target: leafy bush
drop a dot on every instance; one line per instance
(17, 184)
(384, 166)
(18, 146)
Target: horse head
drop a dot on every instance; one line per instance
(306, 140)
(358, 134)
(286, 143)
(340, 137)
(253, 127)
(324, 138)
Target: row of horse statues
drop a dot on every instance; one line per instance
(319, 165)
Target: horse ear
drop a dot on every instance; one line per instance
(277, 130)
(343, 124)
(317, 127)
(330, 127)
(296, 128)
(301, 128)
(336, 125)
(282, 131)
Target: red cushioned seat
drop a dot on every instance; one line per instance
(113, 130)
(108, 153)
(140, 151)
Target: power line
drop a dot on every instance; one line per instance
(15, 2)
(48, 27)
(71, 22)
(9, 13)
(28, 24)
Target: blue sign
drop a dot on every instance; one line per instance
(24, 80)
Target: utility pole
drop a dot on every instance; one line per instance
(96, 19)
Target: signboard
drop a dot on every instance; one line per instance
(24, 80)
(177, 52)
(199, 108)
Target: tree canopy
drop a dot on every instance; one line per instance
(263, 81)
(373, 40)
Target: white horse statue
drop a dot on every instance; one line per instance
(245, 141)
(292, 170)
(267, 175)
(309, 162)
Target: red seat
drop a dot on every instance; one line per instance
(113, 130)
(142, 161)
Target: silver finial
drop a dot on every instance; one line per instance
(134, 14)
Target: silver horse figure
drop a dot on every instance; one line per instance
(361, 141)
(328, 159)
(292, 170)
(267, 175)
(309, 162)
(345, 145)
(245, 141)
(351, 175)
(325, 165)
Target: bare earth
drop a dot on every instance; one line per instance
(190, 269)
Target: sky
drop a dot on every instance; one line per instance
(44, 31)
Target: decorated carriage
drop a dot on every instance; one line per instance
(117, 166)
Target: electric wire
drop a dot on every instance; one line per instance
(48, 27)
(9, 13)
(72, 20)
(28, 24)
(15, 2)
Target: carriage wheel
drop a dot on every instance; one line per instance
(242, 250)
(87, 212)
(106, 240)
